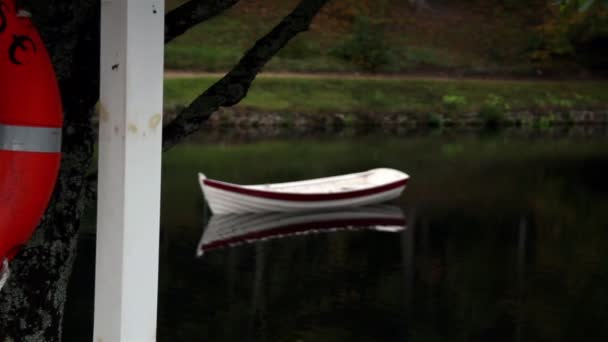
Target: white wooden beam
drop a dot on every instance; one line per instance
(130, 142)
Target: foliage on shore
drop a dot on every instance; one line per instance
(440, 98)
(483, 37)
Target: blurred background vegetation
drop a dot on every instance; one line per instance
(482, 37)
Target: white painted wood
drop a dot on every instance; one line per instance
(231, 201)
(130, 139)
(225, 202)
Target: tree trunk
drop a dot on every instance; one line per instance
(31, 304)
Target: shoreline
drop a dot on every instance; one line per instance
(248, 118)
(404, 76)
(245, 135)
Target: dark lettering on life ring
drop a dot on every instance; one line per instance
(19, 43)
(3, 22)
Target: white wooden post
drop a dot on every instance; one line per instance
(130, 139)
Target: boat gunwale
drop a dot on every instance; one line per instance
(303, 197)
(325, 180)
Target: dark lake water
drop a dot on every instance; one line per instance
(506, 240)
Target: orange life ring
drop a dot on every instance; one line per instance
(30, 128)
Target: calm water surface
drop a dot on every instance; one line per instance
(506, 240)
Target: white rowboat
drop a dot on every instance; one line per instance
(356, 189)
(236, 229)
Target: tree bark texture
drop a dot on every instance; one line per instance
(31, 305)
(32, 302)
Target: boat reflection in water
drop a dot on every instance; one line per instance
(235, 229)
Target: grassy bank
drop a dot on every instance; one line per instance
(474, 37)
(218, 44)
(330, 95)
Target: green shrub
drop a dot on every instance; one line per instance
(435, 120)
(366, 47)
(454, 103)
(559, 102)
(569, 33)
(493, 110)
(546, 121)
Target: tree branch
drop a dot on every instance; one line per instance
(233, 87)
(193, 12)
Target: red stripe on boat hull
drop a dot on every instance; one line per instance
(304, 197)
(303, 227)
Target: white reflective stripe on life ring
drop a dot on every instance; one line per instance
(30, 139)
(5, 272)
